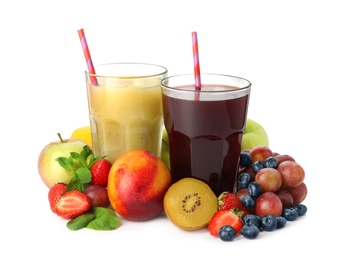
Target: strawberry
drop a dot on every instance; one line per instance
(100, 171)
(228, 200)
(72, 204)
(55, 194)
(225, 217)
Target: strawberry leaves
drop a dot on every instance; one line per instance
(79, 165)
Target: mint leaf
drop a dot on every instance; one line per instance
(86, 151)
(76, 184)
(84, 175)
(76, 156)
(79, 165)
(84, 158)
(90, 161)
(66, 163)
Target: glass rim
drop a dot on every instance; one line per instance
(174, 88)
(100, 75)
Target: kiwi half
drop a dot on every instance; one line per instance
(190, 203)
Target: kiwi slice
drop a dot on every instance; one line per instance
(190, 203)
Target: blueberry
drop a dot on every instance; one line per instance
(290, 214)
(251, 219)
(254, 189)
(256, 166)
(243, 180)
(301, 209)
(250, 232)
(268, 223)
(227, 233)
(245, 159)
(270, 162)
(281, 222)
(248, 201)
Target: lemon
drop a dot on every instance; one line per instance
(83, 133)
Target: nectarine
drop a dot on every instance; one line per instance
(137, 183)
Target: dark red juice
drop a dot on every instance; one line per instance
(205, 138)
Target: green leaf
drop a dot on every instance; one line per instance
(86, 151)
(83, 156)
(76, 184)
(105, 219)
(79, 158)
(79, 165)
(76, 156)
(90, 160)
(80, 221)
(84, 175)
(66, 163)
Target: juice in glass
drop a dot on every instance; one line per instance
(125, 108)
(205, 128)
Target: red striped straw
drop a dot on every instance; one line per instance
(196, 62)
(86, 52)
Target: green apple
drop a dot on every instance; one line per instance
(165, 137)
(49, 169)
(254, 135)
(165, 156)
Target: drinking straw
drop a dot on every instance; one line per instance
(86, 52)
(196, 62)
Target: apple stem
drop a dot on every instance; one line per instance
(59, 135)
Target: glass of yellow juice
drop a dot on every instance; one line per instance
(125, 108)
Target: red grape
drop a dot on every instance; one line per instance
(268, 204)
(269, 179)
(260, 153)
(285, 197)
(98, 196)
(292, 173)
(283, 157)
(298, 193)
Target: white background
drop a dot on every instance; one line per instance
(287, 49)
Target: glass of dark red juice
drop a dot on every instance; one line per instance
(205, 127)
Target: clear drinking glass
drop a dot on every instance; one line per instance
(125, 108)
(205, 128)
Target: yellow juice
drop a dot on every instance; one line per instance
(125, 114)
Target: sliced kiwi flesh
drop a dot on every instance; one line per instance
(190, 203)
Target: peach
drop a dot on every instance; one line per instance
(137, 183)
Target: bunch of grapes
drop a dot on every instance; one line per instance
(271, 184)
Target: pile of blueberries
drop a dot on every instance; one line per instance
(253, 224)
